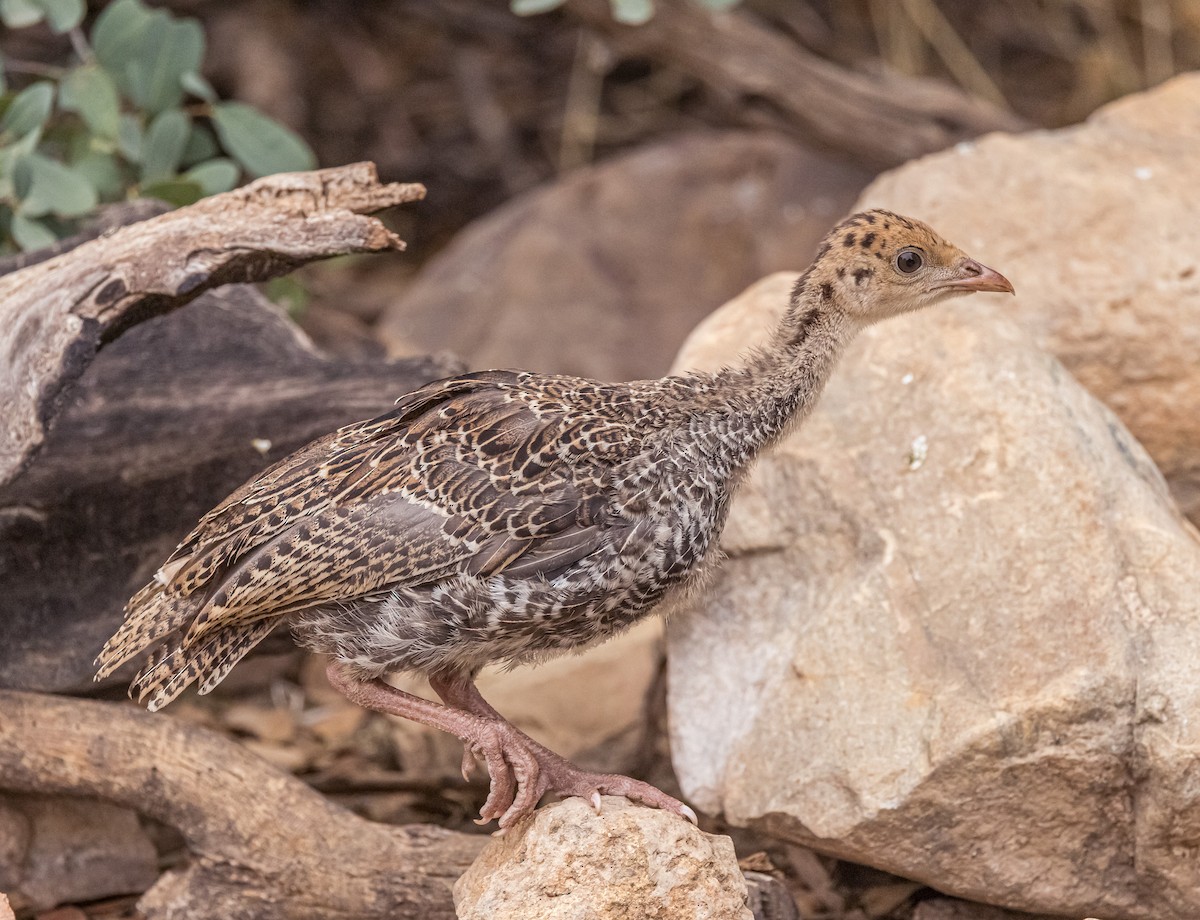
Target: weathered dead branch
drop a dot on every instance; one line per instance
(263, 844)
(880, 121)
(55, 315)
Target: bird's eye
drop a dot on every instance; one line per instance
(909, 261)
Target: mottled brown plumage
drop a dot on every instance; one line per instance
(504, 516)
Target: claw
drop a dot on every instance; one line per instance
(596, 800)
(505, 786)
(530, 786)
(468, 762)
(690, 815)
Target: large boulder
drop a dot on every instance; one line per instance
(955, 638)
(1096, 226)
(566, 862)
(605, 272)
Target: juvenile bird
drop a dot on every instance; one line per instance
(506, 516)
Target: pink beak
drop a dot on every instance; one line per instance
(974, 276)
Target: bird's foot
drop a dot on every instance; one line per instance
(522, 771)
(564, 778)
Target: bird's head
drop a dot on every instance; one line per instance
(877, 264)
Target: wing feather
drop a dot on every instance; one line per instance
(465, 475)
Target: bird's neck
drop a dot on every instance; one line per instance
(779, 384)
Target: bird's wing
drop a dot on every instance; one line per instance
(465, 475)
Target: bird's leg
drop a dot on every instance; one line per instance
(512, 767)
(555, 773)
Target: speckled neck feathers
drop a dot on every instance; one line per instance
(751, 406)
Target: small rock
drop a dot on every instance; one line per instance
(954, 909)
(769, 898)
(275, 724)
(62, 913)
(335, 723)
(568, 863)
(289, 757)
(5, 908)
(880, 900)
(14, 842)
(76, 850)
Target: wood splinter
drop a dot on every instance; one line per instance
(55, 315)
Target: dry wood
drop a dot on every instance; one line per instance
(880, 120)
(55, 315)
(263, 844)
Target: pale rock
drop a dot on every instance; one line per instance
(604, 272)
(65, 849)
(979, 673)
(1096, 227)
(590, 707)
(5, 908)
(566, 862)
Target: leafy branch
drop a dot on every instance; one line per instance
(130, 117)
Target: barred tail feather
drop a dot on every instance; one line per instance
(235, 643)
(173, 669)
(149, 616)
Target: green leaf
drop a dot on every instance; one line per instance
(178, 192)
(201, 145)
(17, 14)
(48, 187)
(195, 84)
(29, 110)
(168, 49)
(215, 176)
(162, 147)
(261, 145)
(63, 15)
(533, 7)
(129, 138)
(104, 174)
(10, 156)
(149, 52)
(632, 12)
(31, 233)
(90, 92)
(117, 33)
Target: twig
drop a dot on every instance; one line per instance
(582, 115)
(879, 121)
(257, 837)
(1158, 57)
(80, 43)
(953, 51)
(34, 68)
